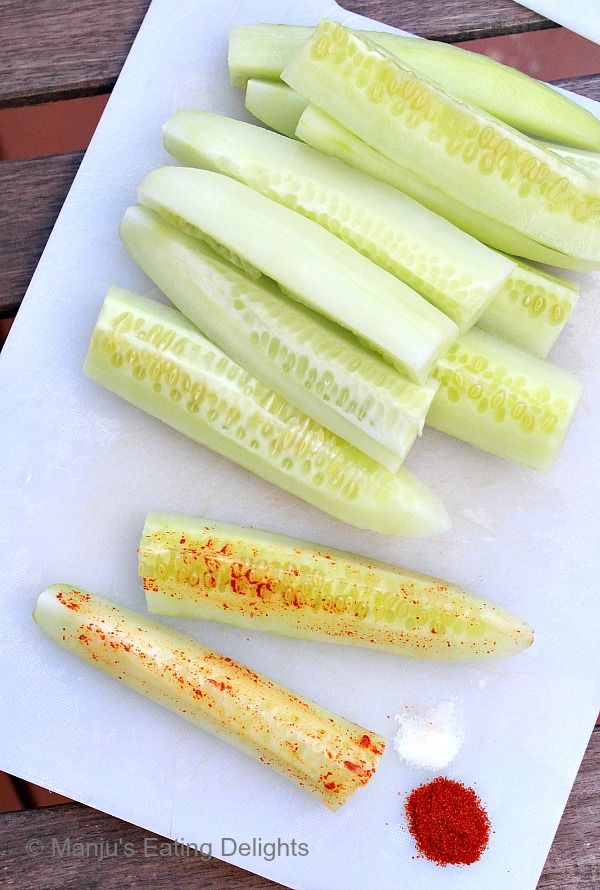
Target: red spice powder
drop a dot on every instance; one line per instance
(448, 822)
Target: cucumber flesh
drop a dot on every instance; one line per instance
(329, 755)
(521, 101)
(531, 309)
(198, 568)
(328, 136)
(273, 103)
(151, 356)
(498, 398)
(462, 150)
(450, 269)
(588, 161)
(276, 105)
(314, 364)
(308, 263)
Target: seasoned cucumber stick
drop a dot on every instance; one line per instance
(153, 357)
(309, 263)
(198, 568)
(313, 363)
(450, 269)
(321, 752)
(472, 156)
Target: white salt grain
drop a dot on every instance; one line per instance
(429, 738)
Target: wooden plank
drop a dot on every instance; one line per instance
(452, 20)
(572, 863)
(57, 49)
(31, 195)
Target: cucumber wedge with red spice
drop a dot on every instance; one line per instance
(471, 155)
(154, 358)
(198, 568)
(323, 753)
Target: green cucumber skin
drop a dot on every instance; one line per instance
(309, 361)
(522, 102)
(152, 357)
(307, 262)
(326, 135)
(452, 270)
(505, 401)
(469, 154)
(275, 105)
(531, 310)
(202, 569)
(212, 692)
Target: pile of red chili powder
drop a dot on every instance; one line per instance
(448, 822)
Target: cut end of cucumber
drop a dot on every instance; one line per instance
(273, 103)
(505, 401)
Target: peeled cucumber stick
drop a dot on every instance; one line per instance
(199, 568)
(328, 136)
(531, 308)
(502, 400)
(154, 358)
(263, 51)
(464, 151)
(275, 104)
(308, 263)
(323, 753)
(450, 269)
(311, 362)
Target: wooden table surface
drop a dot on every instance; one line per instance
(58, 49)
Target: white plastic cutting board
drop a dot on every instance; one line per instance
(79, 469)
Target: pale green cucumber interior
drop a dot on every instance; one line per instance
(314, 364)
(309, 263)
(531, 309)
(276, 105)
(198, 568)
(521, 101)
(498, 398)
(326, 135)
(450, 269)
(213, 692)
(273, 103)
(463, 150)
(588, 161)
(150, 355)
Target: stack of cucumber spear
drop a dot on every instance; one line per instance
(338, 285)
(338, 290)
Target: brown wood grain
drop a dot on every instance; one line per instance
(31, 195)
(573, 863)
(452, 20)
(57, 49)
